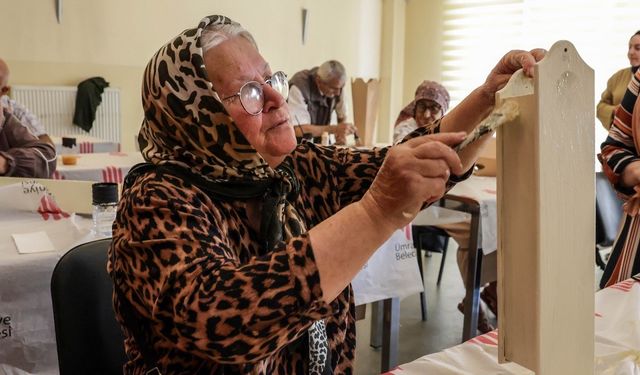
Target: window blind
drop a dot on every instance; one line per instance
(478, 32)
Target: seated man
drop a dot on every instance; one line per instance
(313, 96)
(21, 153)
(23, 115)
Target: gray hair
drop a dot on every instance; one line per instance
(332, 70)
(215, 34)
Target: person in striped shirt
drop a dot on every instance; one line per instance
(620, 160)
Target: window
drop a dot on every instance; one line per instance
(478, 32)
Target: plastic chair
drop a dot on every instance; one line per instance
(608, 215)
(435, 240)
(89, 339)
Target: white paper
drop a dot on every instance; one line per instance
(34, 242)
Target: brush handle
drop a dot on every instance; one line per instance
(507, 112)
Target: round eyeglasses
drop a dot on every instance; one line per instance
(251, 93)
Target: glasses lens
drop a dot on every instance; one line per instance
(251, 97)
(279, 83)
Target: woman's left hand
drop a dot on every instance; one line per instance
(509, 64)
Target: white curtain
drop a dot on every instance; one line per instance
(478, 32)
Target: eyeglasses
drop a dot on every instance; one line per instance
(423, 106)
(251, 93)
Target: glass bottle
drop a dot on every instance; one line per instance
(105, 202)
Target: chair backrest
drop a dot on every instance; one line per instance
(608, 211)
(88, 338)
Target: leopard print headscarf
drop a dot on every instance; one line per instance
(184, 122)
(185, 125)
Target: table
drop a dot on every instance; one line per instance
(27, 332)
(87, 145)
(99, 167)
(617, 341)
(385, 314)
(476, 196)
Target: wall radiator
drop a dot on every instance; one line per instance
(55, 105)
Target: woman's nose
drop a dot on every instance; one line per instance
(272, 99)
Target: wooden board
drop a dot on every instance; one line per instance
(546, 218)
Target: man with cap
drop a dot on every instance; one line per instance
(429, 105)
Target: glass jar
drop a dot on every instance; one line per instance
(105, 203)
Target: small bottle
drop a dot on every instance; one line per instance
(332, 139)
(69, 151)
(324, 140)
(105, 202)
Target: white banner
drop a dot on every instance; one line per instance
(392, 271)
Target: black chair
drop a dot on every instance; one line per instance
(88, 338)
(608, 215)
(435, 240)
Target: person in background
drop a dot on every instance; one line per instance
(24, 116)
(430, 103)
(314, 95)
(617, 84)
(21, 153)
(620, 158)
(229, 251)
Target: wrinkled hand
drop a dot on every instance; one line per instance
(632, 206)
(413, 172)
(630, 176)
(509, 64)
(342, 130)
(3, 164)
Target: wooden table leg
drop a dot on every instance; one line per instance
(375, 341)
(390, 334)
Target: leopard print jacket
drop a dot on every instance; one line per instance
(211, 301)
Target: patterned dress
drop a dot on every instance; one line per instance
(618, 150)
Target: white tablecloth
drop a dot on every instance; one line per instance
(99, 167)
(27, 335)
(87, 145)
(617, 342)
(483, 191)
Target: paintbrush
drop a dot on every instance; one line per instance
(507, 112)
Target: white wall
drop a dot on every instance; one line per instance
(116, 38)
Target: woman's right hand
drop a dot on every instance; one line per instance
(631, 174)
(413, 173)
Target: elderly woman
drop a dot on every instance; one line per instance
(430, 103)
(230, 253)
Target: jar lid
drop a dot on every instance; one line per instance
(68, 142)
(104, 192)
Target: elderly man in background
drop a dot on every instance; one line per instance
(24, 116)
(313, 96)
(22, 154)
